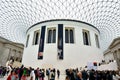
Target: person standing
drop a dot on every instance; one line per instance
(32, 75)
(37, 73)
(20, 72)
(13, 76)
(71, 74)
(84, 75)
(58, 73)
(48, 73)
(43, 74)
(52, 75)
(92, 75)
(79, 75)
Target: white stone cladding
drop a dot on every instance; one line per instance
(75, 55)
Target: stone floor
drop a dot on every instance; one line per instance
(62, 77)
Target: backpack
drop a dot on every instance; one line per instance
(52, 75)
(47, 72)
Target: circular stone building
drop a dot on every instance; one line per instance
(61, 43)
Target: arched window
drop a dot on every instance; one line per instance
(86, 37)
(51, 35)
(69, 35)
(36, 37)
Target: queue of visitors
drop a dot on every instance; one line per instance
(75, 74)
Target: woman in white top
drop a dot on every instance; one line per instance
(32, 75)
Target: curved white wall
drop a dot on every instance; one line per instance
(75, 55)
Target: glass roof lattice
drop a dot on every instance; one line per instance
(16, 16)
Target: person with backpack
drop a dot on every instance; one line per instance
(52, 75)
(48, 73)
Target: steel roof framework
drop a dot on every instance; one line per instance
(16, 16)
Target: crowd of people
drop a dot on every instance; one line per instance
(75, 74)
(3, 71)
(30, 73)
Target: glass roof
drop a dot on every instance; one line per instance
(16, 16)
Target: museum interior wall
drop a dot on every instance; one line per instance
(113, 52)
(10, 50)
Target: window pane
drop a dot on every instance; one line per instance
(66, 36)
(86, 39)
(71, 36)
(49, 36)
(36, 38)
(54, 36)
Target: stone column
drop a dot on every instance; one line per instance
(115, 55)
(17, 55)
(13, 53)
(8, 58)
(20, 58)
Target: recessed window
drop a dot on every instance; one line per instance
(36, 37)
(51, 35)
(97, 40)
(86, 37)
(27, 40)
(69, 35)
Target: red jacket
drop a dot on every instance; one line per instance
(9, 77)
